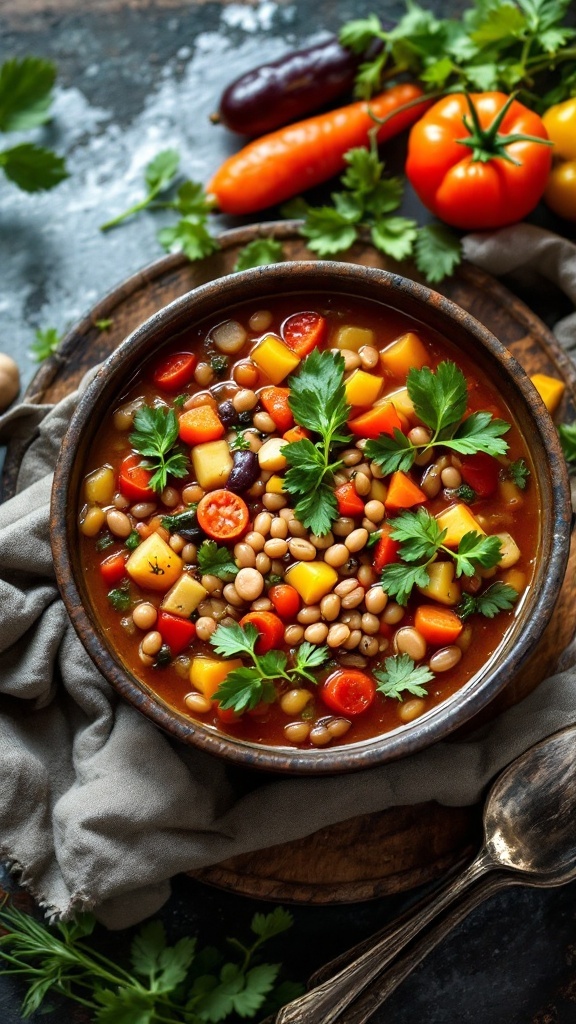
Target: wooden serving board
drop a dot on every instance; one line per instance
(403, 847)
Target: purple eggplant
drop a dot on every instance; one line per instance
(287, 89)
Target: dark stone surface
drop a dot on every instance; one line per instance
(134, 81)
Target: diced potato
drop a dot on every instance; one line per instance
(442, 586)
(184, 597)
(275, 485)
(99, 486)
(270, 455)
(363, 388)
(154, 565)
(274, 358)
(550, 390)
(312, 580)
(511, 494)
(457, 520)
(206, 674)
(516, 579)
(354, 338)
(212, 463)
(403, 404)
(509, 550)
(403, 354)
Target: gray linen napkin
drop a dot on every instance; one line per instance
(98, 808)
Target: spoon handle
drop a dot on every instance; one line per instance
(408, 959)
(324, 1004)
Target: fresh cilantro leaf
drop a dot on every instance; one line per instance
(328, 230)
(392, 453)
(159, 175)
(267, 926)
(398, 580)
(124, 1006)
(394, 236)
(154, 436)
(439, 398)
(475, 551)
(259, 253)
(503, 22)
(309, 656)
(191, 200)
(219, 364)
(258, 982)
(119, 599)
(498, 597)
(190, 236)
(437, 252)
(243, 689)
(232, 640)
(33, 168)
(401, 675)
(357, 35)
(240, 442)
(567, 432)
(105, 324)
(479, 432)
(25, 93)
(519, 473)
(214, 560)
(418, 533)
(45, 344)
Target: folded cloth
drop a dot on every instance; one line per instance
(98, 808)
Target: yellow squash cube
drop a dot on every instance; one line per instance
(153, 565)
(403, 404)
(206, 674)
(442, 586)
(212, 464)
(312, 580)
(275, 485)
(184, 597)
(550, 390)
(404, 353)
(274, 358)
(99, 486)
(362, 388)
(354, 338)
(457, 520)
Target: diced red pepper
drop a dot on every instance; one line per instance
(113, 568)
(386, 550)
(480, 471)
(349, 502)
(178, 633)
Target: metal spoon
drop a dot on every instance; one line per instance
(529, 838)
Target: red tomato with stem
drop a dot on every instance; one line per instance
(348, 691)
(134, 479)
(479, 161)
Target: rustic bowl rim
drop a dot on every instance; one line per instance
(299, 277)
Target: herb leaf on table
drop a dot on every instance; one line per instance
(26, 85)
(155, 436)
(46, 341)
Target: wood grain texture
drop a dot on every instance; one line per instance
(401, 848)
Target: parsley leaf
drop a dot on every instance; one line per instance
(567, 432)
(33, 168)
(216, 560)
(159, 175)
(476, 551)
(398, 580)
(119, 599)
(25, 93)
(499, 597)
(155, 435)
(400, 674)
(519, 473)
(259, 253)
(439, 398)
(318, 402)
(190, 236)
(437, 252)
(46, 342)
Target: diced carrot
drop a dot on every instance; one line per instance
(381, 419)
(438, 626)
(349, 502)
(199, 425)
(403, 492)
(296, 433)
(275, 401)
(113, 568)
(270, 627)
(386, 550)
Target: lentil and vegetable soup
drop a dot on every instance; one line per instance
(309, 523)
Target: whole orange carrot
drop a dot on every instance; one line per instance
(295, 158)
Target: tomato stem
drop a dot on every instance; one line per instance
(487, 143)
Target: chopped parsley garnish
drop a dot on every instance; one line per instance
(240, 443)
(132, 540)
(499, 597)
(155, 436)
(466, 494)
(519, 473)
(421, 539)
(216, 560)
(401, 675)
(318, 402)
(440, 401)
(184, 520)
(244, 688)
(219, 365)
(105, 541)
(46, 341)
(119, 599)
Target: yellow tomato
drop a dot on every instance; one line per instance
(560, 123)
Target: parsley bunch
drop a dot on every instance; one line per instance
(176, 984)
(318, 402)
(421, 540)
(25, 99)
(366, 203)
(495, 45)
(440, 401)
(244, 688)
(400, 674)
(499, 597)
(155, 436)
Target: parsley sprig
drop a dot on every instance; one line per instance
(26, 85)
(318, 402)
(169, 983)
(499, 597)
(216, 560)
(46, 341)
(155, 436)
(440, 401)
(401, 675)
(244, 688)
(421, 540)
(508, 46)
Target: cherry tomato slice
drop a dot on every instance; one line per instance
(348, 691)
(303, 332)
(174, 372)
(285, 599)
(134, 479)
(222, 514)
(270, 627)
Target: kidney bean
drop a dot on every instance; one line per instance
(245, 471)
